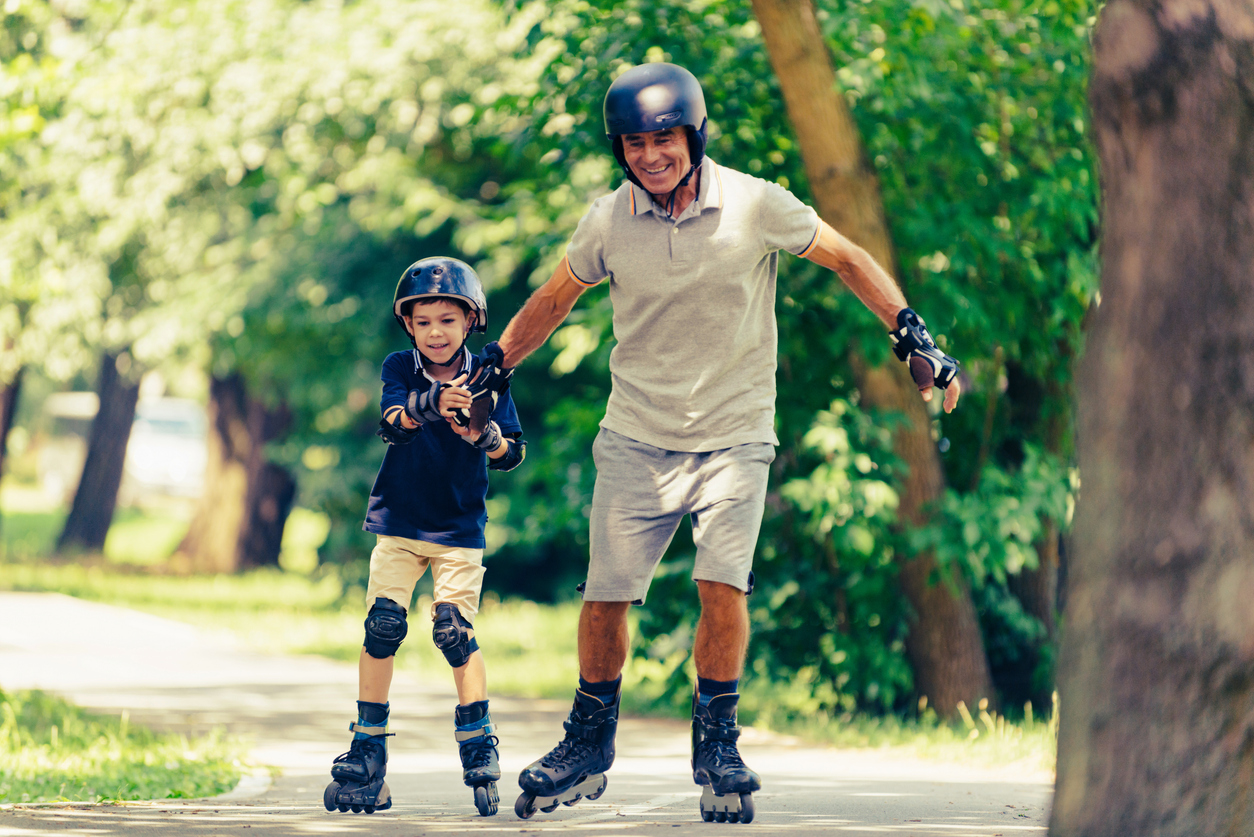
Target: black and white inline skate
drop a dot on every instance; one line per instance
(358, 774)
(480, 765)
(727, 784)
(575, 768)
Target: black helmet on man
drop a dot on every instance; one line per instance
(441, 276)
(652, 97)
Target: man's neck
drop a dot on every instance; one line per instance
(684, 195)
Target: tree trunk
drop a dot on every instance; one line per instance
(96, 497)
(1157, 668)
(944, 645)
(239, 520)
(8, 407)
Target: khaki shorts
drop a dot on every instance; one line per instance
(396, 564)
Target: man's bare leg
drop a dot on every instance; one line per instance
(603, 640)
(722, 631)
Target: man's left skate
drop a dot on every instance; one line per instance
(727, 783)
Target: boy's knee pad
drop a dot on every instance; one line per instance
(385, 628)
(452, 635)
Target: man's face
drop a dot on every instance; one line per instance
(439, 328)
(659, 159)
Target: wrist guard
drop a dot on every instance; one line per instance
(490, 375)
(489, 439)
(516, 453)
(929, 366)
(394, 434)
(424, 407)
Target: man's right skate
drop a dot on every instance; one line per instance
(727, 783)
(357, 776)
(575, 768)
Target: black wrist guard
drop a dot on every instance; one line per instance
(490, 373)
(424, 407)
(489, 439)
(513, 457)
(394, 434)
(929, 366)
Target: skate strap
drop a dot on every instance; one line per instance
(468, 734)
(720, 733)
(589, 732)
(367, 730)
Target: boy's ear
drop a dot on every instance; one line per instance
(409, 324)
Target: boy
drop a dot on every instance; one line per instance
(427, 507)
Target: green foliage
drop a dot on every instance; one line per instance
(52, 750)
(238, 185)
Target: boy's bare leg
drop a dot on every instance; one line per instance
(603, 640)
(374, 677)
(722, 631)
(471, 680)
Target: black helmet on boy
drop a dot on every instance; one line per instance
(441, 276)
(653, 97)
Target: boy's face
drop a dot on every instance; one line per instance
(439, 328)
(659, 158)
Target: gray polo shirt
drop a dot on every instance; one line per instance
(694, 306)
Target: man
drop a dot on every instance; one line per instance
(690, 249)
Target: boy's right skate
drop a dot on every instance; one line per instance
(575, 768)
(358, 774)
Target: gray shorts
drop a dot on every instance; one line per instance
(643, 492)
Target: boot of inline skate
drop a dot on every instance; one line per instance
(575, 768)
(357, 776)
(476, 744)
(727, 782)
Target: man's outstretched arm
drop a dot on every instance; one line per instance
(871, 284)
(540, 316)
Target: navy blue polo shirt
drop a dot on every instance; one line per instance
(433, 488)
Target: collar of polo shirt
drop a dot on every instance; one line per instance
(709, 194)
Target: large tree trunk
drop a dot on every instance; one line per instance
(944, 645)
(1157, 673)
(239, 520)
(8, 407)
(92, 511)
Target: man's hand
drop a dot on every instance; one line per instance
(929, 366)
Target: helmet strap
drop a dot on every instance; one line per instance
(456, 358)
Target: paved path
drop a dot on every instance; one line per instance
(294, 711)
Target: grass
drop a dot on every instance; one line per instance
(52, 750)
(530, 648)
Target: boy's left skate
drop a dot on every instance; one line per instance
(727, 783)
(480, 766)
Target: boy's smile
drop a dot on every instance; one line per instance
(439, 328)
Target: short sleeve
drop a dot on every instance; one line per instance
(586, 254)
(787, 223)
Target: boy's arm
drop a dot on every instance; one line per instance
(540, 316)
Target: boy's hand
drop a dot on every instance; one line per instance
(453, 398)
(489, 373)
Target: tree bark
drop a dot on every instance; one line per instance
(944, 644)
(1157, 667)
(240, 518)
(96, 497)
(8, 407)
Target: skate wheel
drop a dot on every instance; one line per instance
(708, 816)
(525, 807)
(328, 795)
(570, 802)
(720, 816)
(746, 808)
(486, 799)
(548, 809)
(596, 794)
(356, 809)
(369, 809)
(343, 809)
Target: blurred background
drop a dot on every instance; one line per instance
(204, 209)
